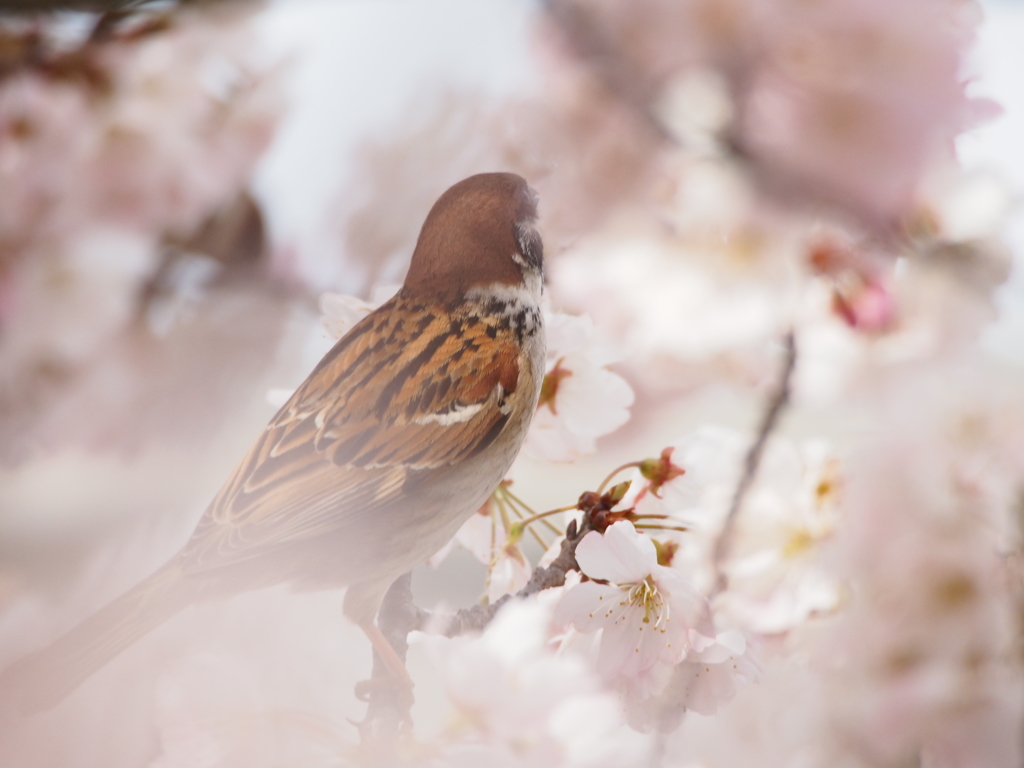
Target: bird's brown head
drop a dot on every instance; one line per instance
(480, 232)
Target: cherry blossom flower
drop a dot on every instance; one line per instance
(581, 399)
(648, 614)
(965, 206)
(831, 108)
(775, 579)
(109, 146)
(682, 298)
(703, 682)
(842, 102)
(518, 703)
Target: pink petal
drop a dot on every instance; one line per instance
(585, 605)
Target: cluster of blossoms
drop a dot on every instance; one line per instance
(517, 702)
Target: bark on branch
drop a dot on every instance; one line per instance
(477, 618)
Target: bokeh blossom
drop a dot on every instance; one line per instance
(113, 156)
(518, 703)
(703, 682)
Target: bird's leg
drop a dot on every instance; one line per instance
(388, 693)
(399, 676)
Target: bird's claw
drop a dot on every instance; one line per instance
(401, 688)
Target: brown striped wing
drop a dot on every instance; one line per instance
(410, 388)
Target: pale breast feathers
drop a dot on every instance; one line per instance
(407, 389)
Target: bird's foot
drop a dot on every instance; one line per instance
(388, 720)
(399, 688)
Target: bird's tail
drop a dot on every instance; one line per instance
(40, 681)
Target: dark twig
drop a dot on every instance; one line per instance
(777, 403)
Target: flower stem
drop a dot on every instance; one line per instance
(513, 500)
(613, 473)
(516, 530)
(504, 497)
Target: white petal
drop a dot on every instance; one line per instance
(621, 555)
(509, 574)
(727, 644)
(549, 439)
(566, 334)
(593, 401)
(382, 293)
(688, 605)
(582, 723)
(478, 535)
(519, 630)
(278, 397)
(441, 555)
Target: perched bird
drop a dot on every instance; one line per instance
(398, 435)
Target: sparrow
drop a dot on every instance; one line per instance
(400, 433)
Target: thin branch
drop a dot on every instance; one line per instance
(614, 472)
(776, 405)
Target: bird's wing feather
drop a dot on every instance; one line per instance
(392, 397)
